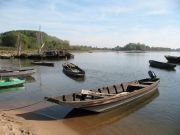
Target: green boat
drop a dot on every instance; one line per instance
(11, 82)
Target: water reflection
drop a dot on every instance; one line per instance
(21, 62)
(14, 89)
(29, 79)
(77, 79)
(103, 68)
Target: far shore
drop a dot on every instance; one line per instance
(11, 52)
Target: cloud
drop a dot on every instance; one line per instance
(97, 23)
(161, 7)
(158, 12)
(163, 37)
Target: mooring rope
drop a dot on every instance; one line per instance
(22, 106)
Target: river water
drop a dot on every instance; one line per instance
(159, 115)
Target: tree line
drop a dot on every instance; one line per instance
(31, 40)
(139, 47)
(34, 39)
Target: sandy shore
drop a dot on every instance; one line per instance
(12, 124)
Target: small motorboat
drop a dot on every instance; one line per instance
(161, 65)
(42, 63)
(16, 72)
(72, 70)
(108, 97)
(173, 59)
(11, 82)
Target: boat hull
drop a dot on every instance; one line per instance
(106, 107)
(161, 65)
(43, 63)
(71, 73)
(11, 83)
(173, 59)
(17, 73)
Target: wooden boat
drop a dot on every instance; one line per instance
(109, 97)
(11, 82)
(16, 72)
(173, 59)
(42, 63)
(162, 65)
(72, 70)
(104, 119)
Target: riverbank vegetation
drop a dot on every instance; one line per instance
(32, 40)
(141, 47)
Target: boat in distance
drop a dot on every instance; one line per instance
(42, 63)
(161, 65)
(109, 97)
(11, 82)
(16, 72)
(73, 70)
(173, 59)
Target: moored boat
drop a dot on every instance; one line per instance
(11, 82)
(109, 97)
(73, 70)
(173, 59)
(16, 72)
(42, 63)
(162, 65)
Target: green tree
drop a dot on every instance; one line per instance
(9, 39)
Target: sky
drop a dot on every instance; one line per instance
(101, 23)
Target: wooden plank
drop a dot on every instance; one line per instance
(92, 93)
(140, 85)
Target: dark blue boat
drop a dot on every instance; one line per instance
(162, 65)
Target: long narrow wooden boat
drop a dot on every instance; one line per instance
(173, 59)
(16, 72)
(162, 65)
(72, 70)
(107, 118)
(42, 63)
(11, 82)
(109, 97)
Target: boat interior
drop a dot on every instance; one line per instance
(105, 92)
(72, 67)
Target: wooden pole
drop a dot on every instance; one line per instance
(18, 45)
